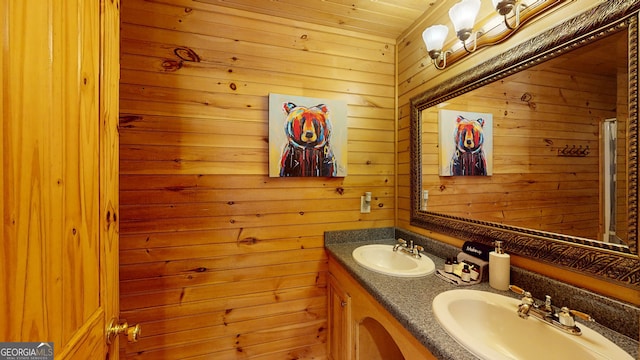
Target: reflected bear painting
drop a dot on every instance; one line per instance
(465, 143)
(307, 137)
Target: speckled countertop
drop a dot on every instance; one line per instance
(409, 301)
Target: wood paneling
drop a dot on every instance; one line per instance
(217, 259)
(388, 18)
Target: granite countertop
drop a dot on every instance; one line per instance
(409, 301)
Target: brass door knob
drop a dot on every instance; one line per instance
(114, 329)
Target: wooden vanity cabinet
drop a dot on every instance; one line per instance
(360, 328)
(339, 307)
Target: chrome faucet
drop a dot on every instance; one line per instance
(526, 305)
(411, 249)
(401, 243)
(563, 320)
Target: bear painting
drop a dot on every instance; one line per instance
(468, 158)
(308, 149)
(465, 144)
(307, 145)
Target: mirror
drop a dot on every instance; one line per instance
(544, 133)
(545, 193)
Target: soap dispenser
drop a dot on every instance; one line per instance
(499, 268)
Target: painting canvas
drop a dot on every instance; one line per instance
(466, 143)
(307, 137)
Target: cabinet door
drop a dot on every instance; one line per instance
(339, 321)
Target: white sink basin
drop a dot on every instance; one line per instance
(382, 259)
(488, 326)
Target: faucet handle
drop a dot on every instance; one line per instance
(566, 316)
(415, 251)
(581, 315)
(526, 296)
(401, 244)
(516, 289)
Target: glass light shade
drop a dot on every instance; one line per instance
(463, 14)
(434, 37)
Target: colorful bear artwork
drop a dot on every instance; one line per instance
(465, 143)
(308, 150)
(307, 137)
(468, 158)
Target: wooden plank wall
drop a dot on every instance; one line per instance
(531, 185)
(217, 259)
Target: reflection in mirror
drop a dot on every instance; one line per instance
(546, 197)
(550, 128)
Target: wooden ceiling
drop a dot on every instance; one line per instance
(386, 18)
(392, 18)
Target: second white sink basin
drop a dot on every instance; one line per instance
(488, 326)
(382, 259)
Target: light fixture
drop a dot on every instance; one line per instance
(434, 37)
(506, 7)
(463, 16)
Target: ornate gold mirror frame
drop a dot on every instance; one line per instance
(611, 262)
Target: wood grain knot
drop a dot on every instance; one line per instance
(171, 65)
(186, 54)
